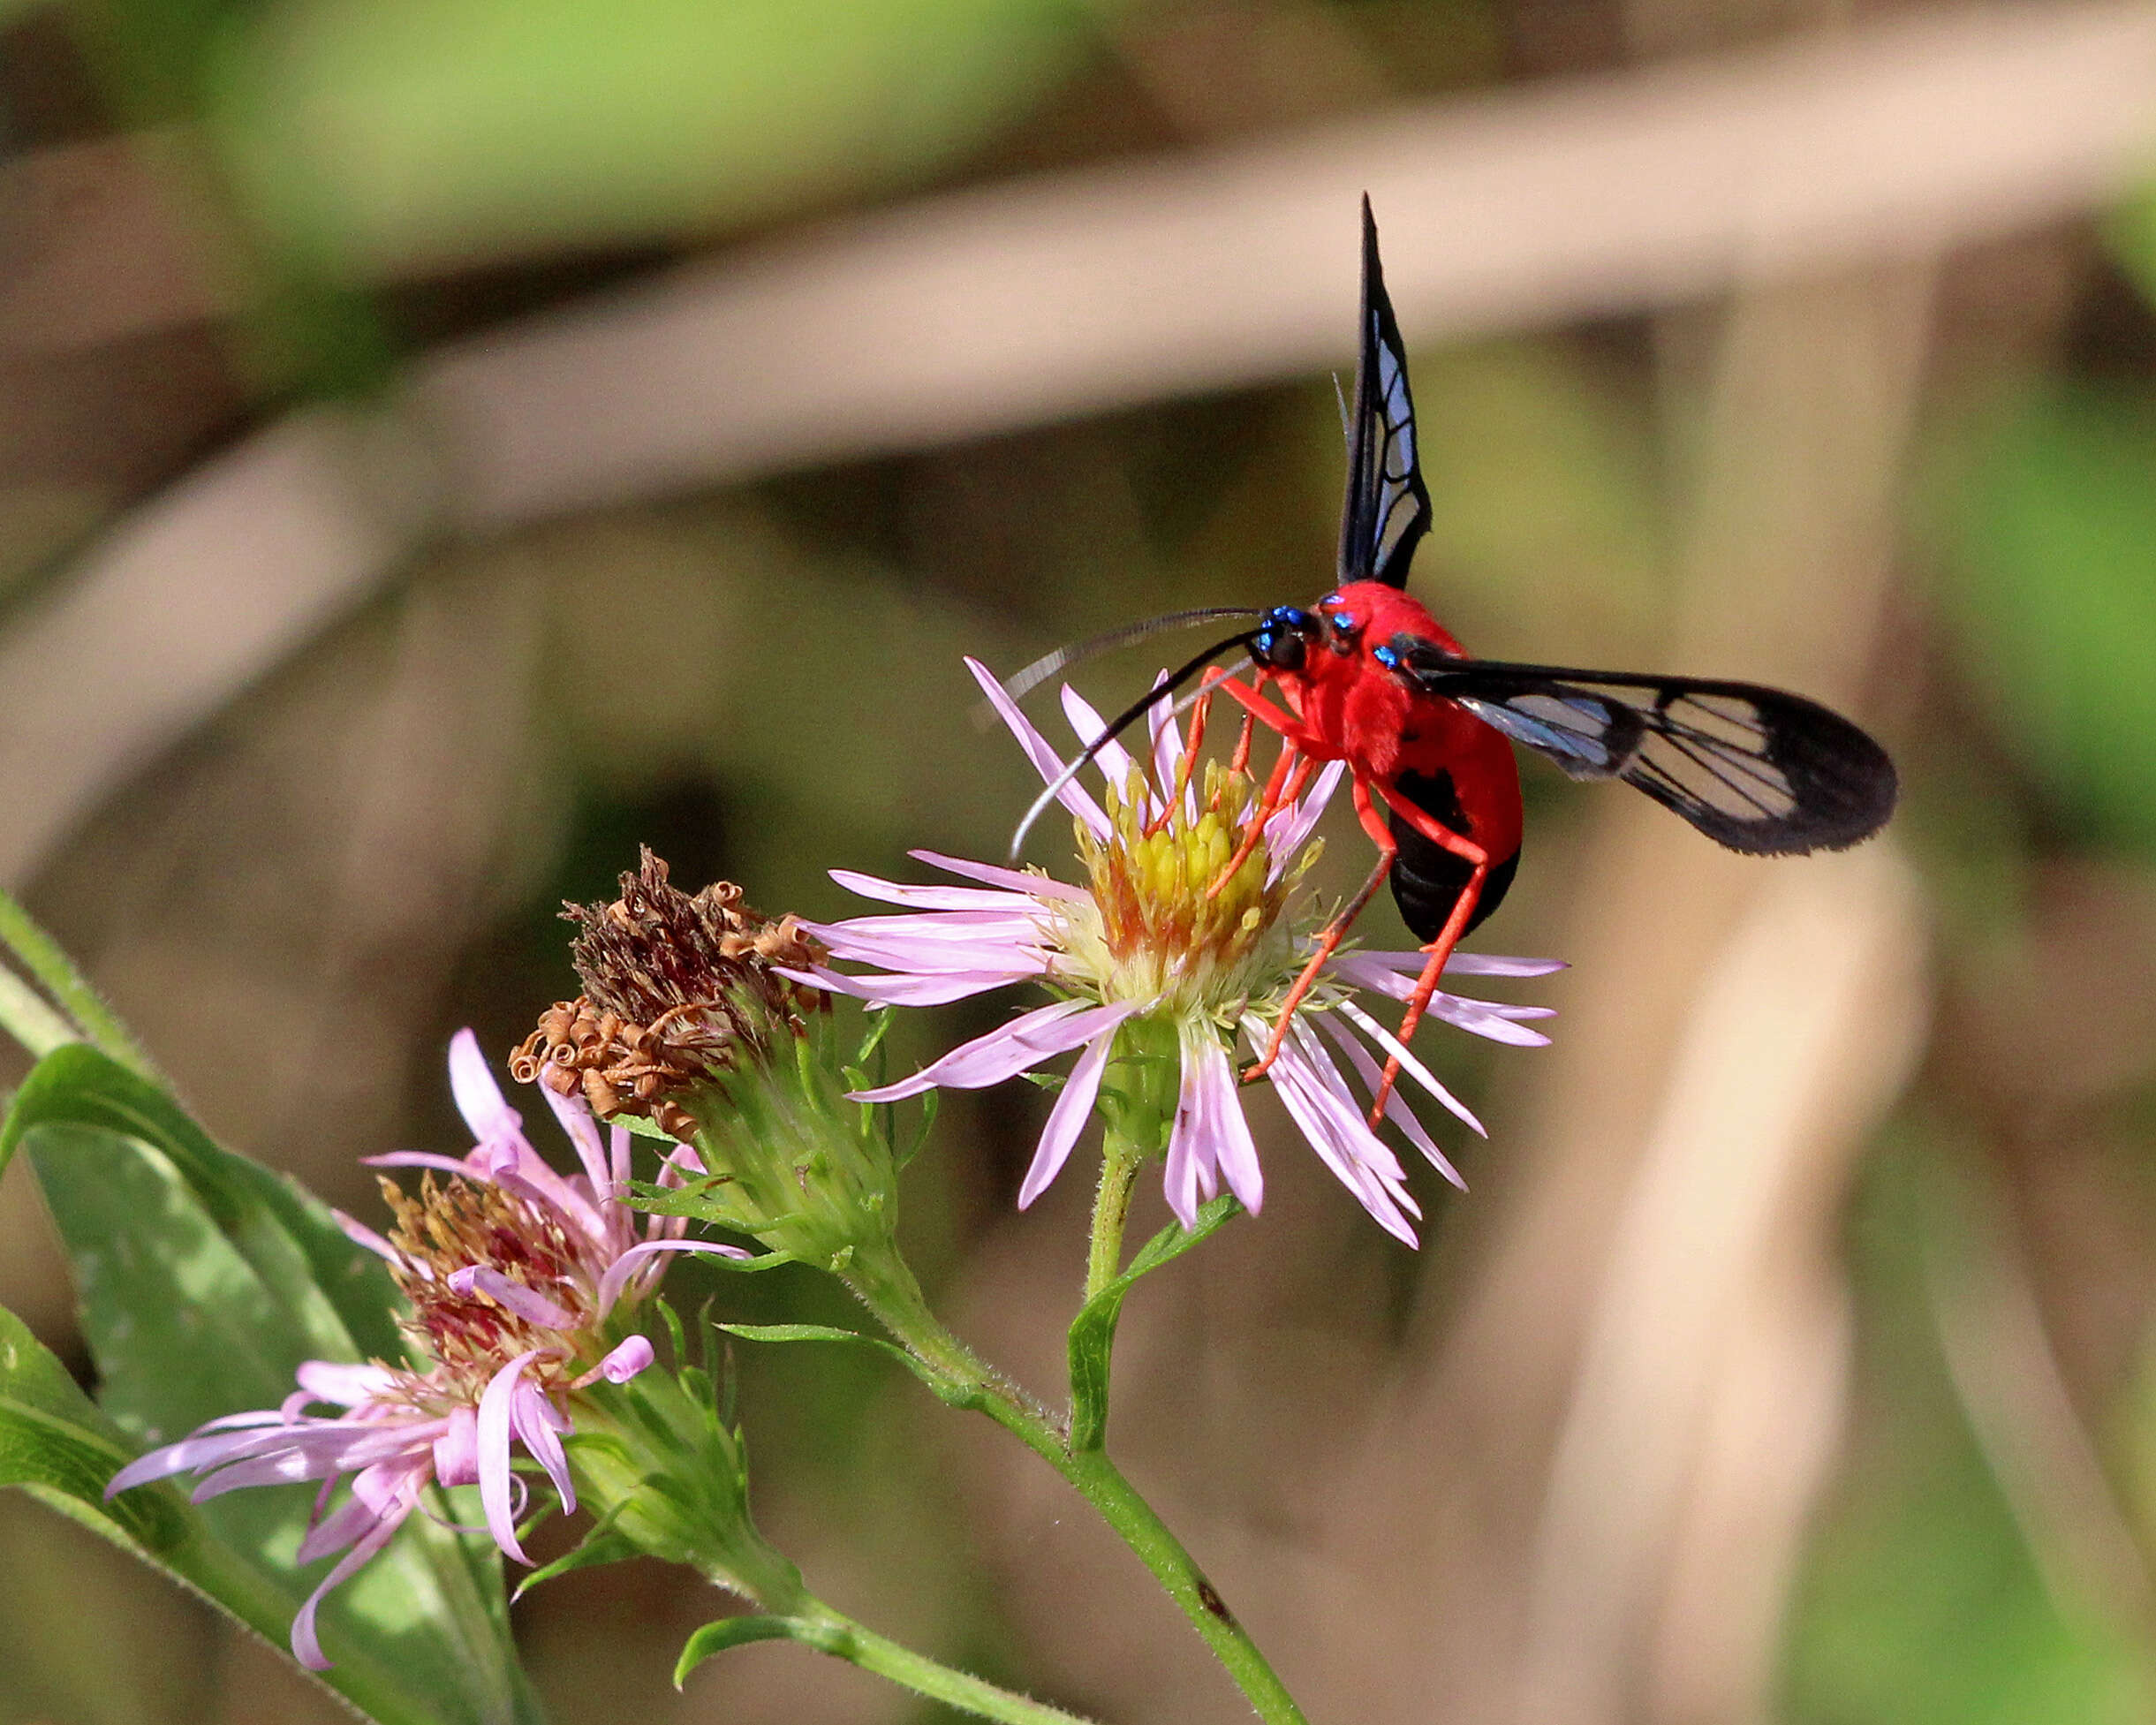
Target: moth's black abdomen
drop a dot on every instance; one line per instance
(1427, 880)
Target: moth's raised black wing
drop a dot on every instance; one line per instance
(1757, 769)
(1388, 508)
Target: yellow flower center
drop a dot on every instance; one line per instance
(1155, 929)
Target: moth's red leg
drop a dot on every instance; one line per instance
(1439, 951)
(1282, 789)
(1269, 713)
(1184, 768)
(1334, 931)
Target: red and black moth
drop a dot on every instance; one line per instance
(1367, 676)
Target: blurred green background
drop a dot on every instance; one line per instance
(444, 443)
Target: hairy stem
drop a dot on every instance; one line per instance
(831, 1632)
(1120, 1161)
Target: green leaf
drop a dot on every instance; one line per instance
(338, 1293)
(926, 1373)
(204, 1280)
(26, 1017)
(57, 1447)
(603, 1543)
(1092, 1332)
(56, 1443)
(716, 1637)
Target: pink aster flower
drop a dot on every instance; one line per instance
(513, 1272)
(1141, 944)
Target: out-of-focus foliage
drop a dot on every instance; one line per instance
(1920, 1553)
(427, 132)
(2054, 598)
(296, 902)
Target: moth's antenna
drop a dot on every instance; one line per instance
(1122, 721)
(1023, 683)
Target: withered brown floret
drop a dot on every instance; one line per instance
(677, 988)
(458, 1222)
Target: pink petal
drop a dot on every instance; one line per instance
(1397, 1109)
(345, 1386)
(492, 1435)
(1114, 759)
(1497, 1024)
(529, 1305)
(624, 1362)
(1412, 1067)
(515, 1166)
(479, 1098)
(575, 1116)
(190, 1452)
(638, 1256)
(1377, 973)
(540, 1424)
(955, 926)
(1047, 762)
(1168, 752)
(928, 953)
(1189, 1151)
(1318, 1069)
(455, 1165)
(360, 1235)
(1289, 829)
(1019, 1045)
(934, 897)
(351, 1519)
(932, 990)
(1039, 885)
(1460, 964)
(306, 1647)
(1234, 1152)
(1332, 1133)
(1066, 1119)
(457, 1449)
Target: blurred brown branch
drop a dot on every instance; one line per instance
(990, 309)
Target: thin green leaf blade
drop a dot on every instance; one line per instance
(42, 956)
(833, 1332)
(716, 1637)
(1092, 1332)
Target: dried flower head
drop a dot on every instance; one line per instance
(678, 988)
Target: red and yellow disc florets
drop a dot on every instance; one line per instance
(457, 1225)
(1157, 927)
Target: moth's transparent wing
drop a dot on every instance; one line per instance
(1388, 508)
(1757, 769)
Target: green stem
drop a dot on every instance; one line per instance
(1120, 1161)
(831, 1632)
(963, 1379)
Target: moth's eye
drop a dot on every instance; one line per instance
(1282, 652)
(1343, 627)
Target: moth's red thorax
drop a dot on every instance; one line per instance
(1368, 714)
